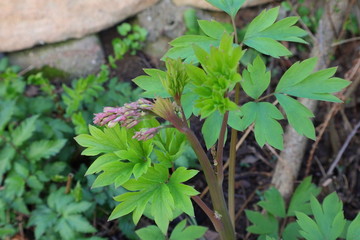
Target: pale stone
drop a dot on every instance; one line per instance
(79, 57)
(25, 23)
(205, 5)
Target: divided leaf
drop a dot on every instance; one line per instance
(263, 33)
(182, 47)
(255, 79)
(150, 233)
(164, 195)
(24, 131)
(299, 81)
(298, 115)
(329, 219)
(273, 203)
(263, 224)
(231, 7)
(152, 83)
(44, 149)
(300, 201)
(181, 232)
(122, 156)
(267, 129)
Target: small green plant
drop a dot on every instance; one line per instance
(137, 144)
(37, 155)
(328, 220)
(132, 40)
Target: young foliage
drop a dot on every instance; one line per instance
(162, 192)
(255, 78)
(121, 156)
(328, 222)
(267, 224)
(264, 34)
(231, 7)
(218, 76)
(267, 129)
(61, 216)
(180, 232)
(300, 81)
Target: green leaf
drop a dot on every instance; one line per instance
(267, 129)
(211, 129)
(329, 219)
(353, 232)
(114, 172)
(300, 200)
(263, 224)
(44, 149)
(298, 115)
(181, 232)
(310, 230)
(7, 153)
(14, 187)
(291, 231)
(7, 109)
(97, 165)
(273, 203)
(181, 193)
(235, 120)
(150, 233)
(154, 187)
(152, 83)
(299, 81)
(182, 47)
(255, 79)
(263, 33)
(76, 208)
(24, 131)
(80, 224)
(102, 141)
(231, 7)
(213, 28)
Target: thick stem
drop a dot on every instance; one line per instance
(220, 149)
(232, 165)
(211, 215)
(216, 191)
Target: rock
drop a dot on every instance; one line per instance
(163, 19)
(78, 57)
(25, 23)
(205, 5)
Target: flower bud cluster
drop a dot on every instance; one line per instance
(128, 116)
(146, 133)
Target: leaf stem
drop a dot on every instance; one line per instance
(264, 97)
(211, 215)
(220, 149)
(232, 156)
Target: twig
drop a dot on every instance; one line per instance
(335, 44)
(243, 206)
(68, 183)
(335, 108)
(342, 150)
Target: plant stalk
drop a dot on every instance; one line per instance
(220, 149)
(226, 231)
(232, 155)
